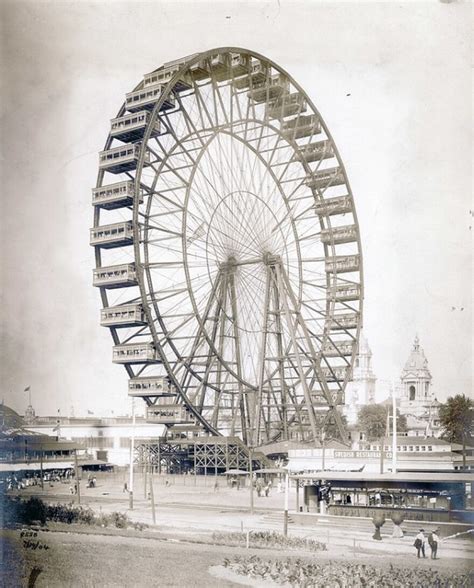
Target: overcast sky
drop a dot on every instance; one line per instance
(392, 81)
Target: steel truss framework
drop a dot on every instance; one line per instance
(202, 455)
(238, 281)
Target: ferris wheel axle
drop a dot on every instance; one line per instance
(266, 258)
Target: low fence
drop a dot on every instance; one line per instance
(209, 481)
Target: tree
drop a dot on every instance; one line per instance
(372, 418)
(456, 417)
(330, 428)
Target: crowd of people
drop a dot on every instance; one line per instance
(20, 482)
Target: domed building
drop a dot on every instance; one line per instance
(416, 393)
(417, 400)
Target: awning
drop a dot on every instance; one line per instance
(92, 462)
(271, 471)
(236, 473)
(35, 466)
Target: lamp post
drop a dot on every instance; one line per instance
(251, 479)
(323, 439)
(285, 513)
(394, 431)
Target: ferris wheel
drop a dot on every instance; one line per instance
(227, 250)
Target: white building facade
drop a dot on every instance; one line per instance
(106, 439)
(361, 390)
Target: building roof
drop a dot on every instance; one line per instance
(35, 466)
(363, 348)
(389, 477)
(414, 440)
(15, 433)
(9, 418)
(283, 447)
(416, 364)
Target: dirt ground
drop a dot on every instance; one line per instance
(100, 561)
(85, 560)
(177, 551)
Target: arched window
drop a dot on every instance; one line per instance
(412, 392)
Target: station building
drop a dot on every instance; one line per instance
(414, 454)
(418, 496)
(104, 439)
(25, 453)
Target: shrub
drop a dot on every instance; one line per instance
(119, 520)
(379, 520)
(268, 539)
(34, 510)
(24, 512)
(397, 517)
(305, 574)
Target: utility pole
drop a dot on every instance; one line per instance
(394, 431)
(41, 467)
(145, 468)
(78, 482)
(132, 451)
(251, 479)
(152, 496)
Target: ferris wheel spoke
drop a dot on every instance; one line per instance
(212, 357)
(216, 93)
(203, 109)
(252, 297)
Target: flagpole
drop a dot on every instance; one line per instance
(394, 431)
(28, 389)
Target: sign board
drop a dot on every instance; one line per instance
(165, 414)
(318, 399)
(363, 454)
(154, 386)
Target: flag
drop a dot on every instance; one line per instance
(27, 389)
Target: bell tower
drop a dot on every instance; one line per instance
(361, 390)
(416, 383)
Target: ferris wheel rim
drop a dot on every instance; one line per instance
(137, 253)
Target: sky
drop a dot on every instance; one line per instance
(392, 81)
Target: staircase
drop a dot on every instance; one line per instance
(276, 518)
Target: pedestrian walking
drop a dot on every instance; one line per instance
(420, 542)
(433, 540)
